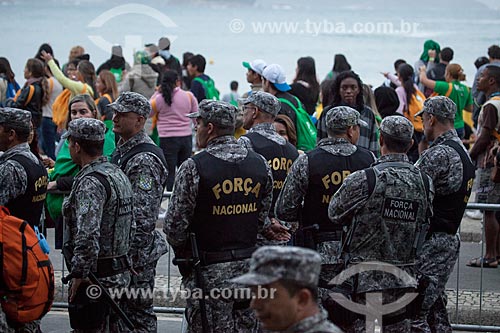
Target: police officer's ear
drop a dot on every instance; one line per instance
(77, 147)
(210, 128)
(11, 134)
(410, 145)
(381, 140)
(256, 113)
(303, 297)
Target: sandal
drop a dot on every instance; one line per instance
(485, 262)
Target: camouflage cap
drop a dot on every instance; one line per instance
(16, 118)
(272, 263)
(439, 106)
(86, 128)
(341, 117)
(264, 101)
(216, 112)
(132, 102)
(398, 127)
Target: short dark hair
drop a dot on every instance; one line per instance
(91, 148)
(233, 85)
(293, 287)
(481, 61)
(21, 132)
(494, 52)
(395, 145)
(446, 54)
(185, 58)
(398, 62)
(444, 120)
(336, 131)
(494, 72)
(221, 130)
(198, 61)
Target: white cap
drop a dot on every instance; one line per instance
(257, 65)
(276, 75)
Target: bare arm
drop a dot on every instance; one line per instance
(425, 80)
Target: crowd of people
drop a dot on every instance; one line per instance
(282, 188)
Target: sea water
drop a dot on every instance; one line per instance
(372, 34)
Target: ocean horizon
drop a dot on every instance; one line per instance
(371, 34)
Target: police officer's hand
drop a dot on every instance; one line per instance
(277, 231)
(52, 185)
(75, 284)
(48, 162)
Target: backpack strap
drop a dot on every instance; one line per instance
(201, 81)
(290, 104)
(24, 270)
(371, 179)
(144, 147)
(299, 103)
(450, 88)
(30, 95)
(104, 181)
(51, 85)
(108, 97)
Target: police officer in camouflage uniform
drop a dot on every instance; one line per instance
(145, 166)
(260, 109)
(450, 167)
(23, 178)
(290, 277)
(313, 179)
(386, 209)
(98, 217)
(223, 195)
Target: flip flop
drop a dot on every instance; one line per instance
(485, 262)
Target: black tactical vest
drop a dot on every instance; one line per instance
(122, 160)
(29, 206)
(229, 202)
(449, 209)
(279, 157)
(326, 174)
(116, 224)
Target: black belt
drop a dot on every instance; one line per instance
(209, 258)
(322, 237)
(107, 267)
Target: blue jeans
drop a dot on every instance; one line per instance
(47, 133)
(176, 151)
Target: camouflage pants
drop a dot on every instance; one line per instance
(140, 309)
(329, 252)
(112, 322)
(435, 263)
(223, 315)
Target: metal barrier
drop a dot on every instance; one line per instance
(460, 327)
